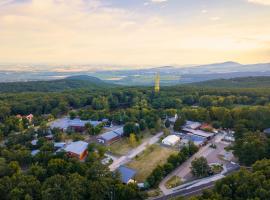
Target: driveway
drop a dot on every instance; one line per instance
(183, 170)
(134, 152)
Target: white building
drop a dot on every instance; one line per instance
(171, 140)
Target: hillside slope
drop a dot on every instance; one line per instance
(76, 82)
(243, 82)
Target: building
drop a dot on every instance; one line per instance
(171, 140)
(74, 124)
(127, 174)
(77, 149)
(192, 125)
(200, 133)
(30, 117)
(35, 152)
(267, 131)
(197, 140)
(111, 136)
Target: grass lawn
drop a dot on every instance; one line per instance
(120, 147)
(123, 146)
(148, 160)
(173, 182)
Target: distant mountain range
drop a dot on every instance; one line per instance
(170, 75)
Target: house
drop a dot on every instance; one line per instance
(75, 124)
(206, 127)
(267, 131)
(111, 136)
(192, 125)
(77, 149)
(34, 142)
(30, 117)
(127, 174)
(171, 140)
(35, 152)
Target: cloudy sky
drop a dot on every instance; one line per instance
(134, 32)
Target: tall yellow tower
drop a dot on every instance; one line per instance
(157, 80)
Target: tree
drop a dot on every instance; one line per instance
(89, 128)
(200, 167)
(55, 187)
(72, 115)
(251, 147)
(132, 139)
(179, 123)
(167, 123)
(130, 127)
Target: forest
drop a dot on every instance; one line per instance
(55, 176)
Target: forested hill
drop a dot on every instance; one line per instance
(73, 82)
(243, 82)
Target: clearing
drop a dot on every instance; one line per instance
(146, 162)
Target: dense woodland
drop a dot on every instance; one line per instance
(50, 176)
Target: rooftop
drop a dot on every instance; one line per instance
(126, 173)
(77, 147)
(198, 132)
(66, 122)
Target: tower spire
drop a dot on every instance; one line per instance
(157, 82)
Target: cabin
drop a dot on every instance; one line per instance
(77, 149)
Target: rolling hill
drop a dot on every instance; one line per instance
(73, 82)
(242, 82)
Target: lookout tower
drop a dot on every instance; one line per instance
(157, 80)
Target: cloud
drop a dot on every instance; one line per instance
(261, 2)
(204, 11)
(215, 18)
(159, 1)
(91, 32)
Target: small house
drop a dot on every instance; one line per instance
(127, 174)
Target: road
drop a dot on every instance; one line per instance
(199, 186)
(136, 151)
(188, 192)
(184, 169)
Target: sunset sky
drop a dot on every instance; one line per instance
(134, 32)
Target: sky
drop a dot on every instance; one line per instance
(132, 33)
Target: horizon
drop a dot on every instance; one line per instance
(133, 34)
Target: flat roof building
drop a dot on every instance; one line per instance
(171, 140)
(200, 133)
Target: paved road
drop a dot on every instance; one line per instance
(131, 154)
(198, 187)
(184, 169)
(189, 192)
